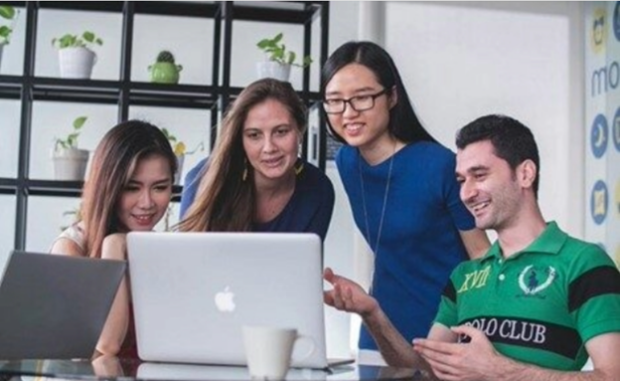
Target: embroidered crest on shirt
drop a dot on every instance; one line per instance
(533, 280)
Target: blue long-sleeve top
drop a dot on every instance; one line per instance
(308, 211)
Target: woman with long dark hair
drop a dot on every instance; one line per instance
(128, 188)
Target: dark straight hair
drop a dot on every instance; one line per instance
(404, 123)
(512, 141)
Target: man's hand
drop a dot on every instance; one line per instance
(348, 295)
(473, 361)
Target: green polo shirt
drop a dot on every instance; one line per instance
(542, 304)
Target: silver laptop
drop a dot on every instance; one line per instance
(55, 306)
(193, 292)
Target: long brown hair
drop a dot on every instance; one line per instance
(225, 200)
(114, 161)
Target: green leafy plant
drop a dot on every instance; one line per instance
(71, 140)
(7, 12)
(86, 40)
(179, 147)
(276, 51)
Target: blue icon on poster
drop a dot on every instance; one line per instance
(599, 201)
(615, 131)
(599, 136)
(616, 20)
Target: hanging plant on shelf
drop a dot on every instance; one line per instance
(180, 150)
(164, 70)
(70, 161)
(76, 55)
(8, 13)
(278, 59)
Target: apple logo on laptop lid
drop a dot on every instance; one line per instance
(224, 300)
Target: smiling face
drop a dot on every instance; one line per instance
(489, 187)
(271, 141)
(364, 129)
(146, 196)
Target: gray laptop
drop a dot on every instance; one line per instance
(54, 306)
(193, 292)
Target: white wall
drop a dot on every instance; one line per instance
(462, 60)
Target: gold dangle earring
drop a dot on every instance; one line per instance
(299, 168)
(244, 176)
(300, 165)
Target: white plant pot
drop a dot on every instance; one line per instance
(272, 69)
(76, 62)
(177, 176)
(70, 164)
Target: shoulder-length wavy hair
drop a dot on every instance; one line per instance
(404, 123)
(114, 161)
(225, 201)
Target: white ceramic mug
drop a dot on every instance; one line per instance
(268, 350)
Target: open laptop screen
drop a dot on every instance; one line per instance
(193, 292)
(55, 306)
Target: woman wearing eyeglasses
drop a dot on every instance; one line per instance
(401, 186)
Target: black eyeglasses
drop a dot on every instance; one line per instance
(357, 103)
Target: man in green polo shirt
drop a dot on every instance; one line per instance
(534, 307)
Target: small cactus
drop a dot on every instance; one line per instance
(165, 56)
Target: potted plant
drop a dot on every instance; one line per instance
(180, 150)
(8, 13)
(279, 60)
(164, 69)
(70, 161)
(76, 57)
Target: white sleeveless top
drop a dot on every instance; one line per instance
(74, 233)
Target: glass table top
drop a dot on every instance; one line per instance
(111, 368)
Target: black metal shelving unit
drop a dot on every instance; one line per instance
(125, 93)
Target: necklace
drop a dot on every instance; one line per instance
(385, 197)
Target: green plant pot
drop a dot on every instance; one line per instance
(165, 72)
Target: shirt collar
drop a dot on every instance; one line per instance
(550, 241)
